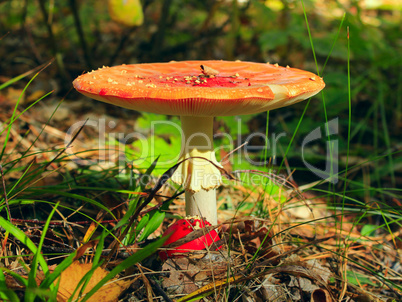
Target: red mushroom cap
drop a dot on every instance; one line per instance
(183, 227)
(200, 88)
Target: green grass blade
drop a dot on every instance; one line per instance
(5, 293)
(50, 278)
(14, 114)
(386, 132)
(155, 220)
(99, 247)
(12, 120)
(349, 127)
(20, 179)
(8, 295)
(20, 77)
(30, 296)
(84, 281)
(43, 128)
(333, 44)
(310, 37)
(266, 138)
(18, 234)
(294, 134)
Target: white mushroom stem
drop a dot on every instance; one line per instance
(198, 176)
(202, 203)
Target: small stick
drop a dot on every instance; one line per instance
(160, 290)
(68, 145)
(233, 151)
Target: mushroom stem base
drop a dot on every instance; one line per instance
(203, 204)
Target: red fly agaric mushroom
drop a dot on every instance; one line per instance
(198, 91)
(182, 228)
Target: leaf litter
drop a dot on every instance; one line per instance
(296, 253)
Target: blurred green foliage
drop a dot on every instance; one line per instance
(81, 35)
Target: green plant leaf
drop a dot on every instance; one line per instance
(359, 279)
(158, 124)
(368, 230)
(143, 222)
(156, 146)
(155, 220)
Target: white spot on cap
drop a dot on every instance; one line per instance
(280, 92)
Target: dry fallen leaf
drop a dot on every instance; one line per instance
(184, 275)
(179, 274)
(74, 273)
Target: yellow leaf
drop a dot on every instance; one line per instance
(74, 273)
(126, 12)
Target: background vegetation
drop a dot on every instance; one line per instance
(354, 45)
(82, 36)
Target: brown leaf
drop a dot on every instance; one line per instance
(12, 283)
(184, 275)
(74, 273)
(83, 248)
(303, 284)
(179, 275)
(255, 237)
